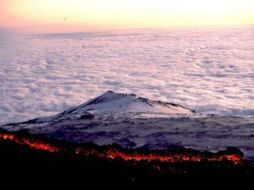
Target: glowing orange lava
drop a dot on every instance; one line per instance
(172, 158)
(34, 144)
(6, 136)
(236, 159)
(166, 158)
(39, 145)
(112, 153)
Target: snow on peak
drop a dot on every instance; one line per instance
(111, 105)
(107, 97)
(123, 104)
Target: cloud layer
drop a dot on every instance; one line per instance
(210, 70)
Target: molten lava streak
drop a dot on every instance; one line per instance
(34, 144)
(172, 158)
(114, 153)
(6, 136)
(166, 158)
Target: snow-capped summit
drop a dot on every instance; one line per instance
(116, 104)
(111, 105)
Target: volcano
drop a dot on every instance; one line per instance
(140, 123)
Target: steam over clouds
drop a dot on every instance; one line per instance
(210, 70)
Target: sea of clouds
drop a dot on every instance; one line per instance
(210, 70)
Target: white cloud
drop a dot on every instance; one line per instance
(208, 70)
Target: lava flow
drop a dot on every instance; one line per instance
(115, 153)
(33, 144)
(173, 158)
(165, 158)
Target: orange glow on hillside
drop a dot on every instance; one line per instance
(167, 158)
(34, 144)
(133, 156)
(6, 136)
(173, 158)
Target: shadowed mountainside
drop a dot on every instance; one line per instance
(26, 155)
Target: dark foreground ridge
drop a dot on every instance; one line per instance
(29, 156)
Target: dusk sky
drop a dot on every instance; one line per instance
(93, 14)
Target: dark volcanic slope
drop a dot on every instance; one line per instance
(31, 157)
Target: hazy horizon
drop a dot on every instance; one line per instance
(61, 29)
(51, 16)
